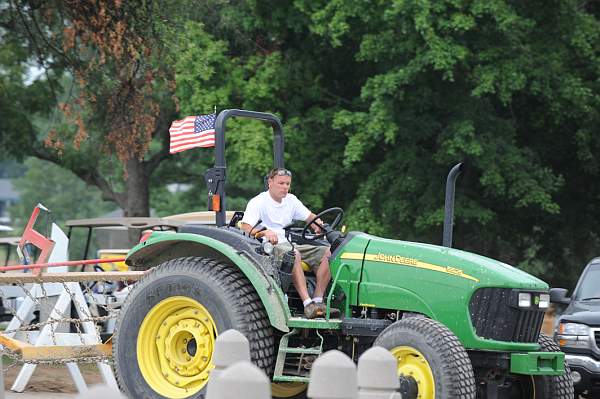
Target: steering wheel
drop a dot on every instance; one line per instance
(339, 214)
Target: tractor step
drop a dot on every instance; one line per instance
(303, 322)
(306, 351)
(299, 353)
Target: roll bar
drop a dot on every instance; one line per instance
(216, 176)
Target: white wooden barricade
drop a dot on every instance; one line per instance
(48, 335)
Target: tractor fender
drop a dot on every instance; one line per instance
(161, 247)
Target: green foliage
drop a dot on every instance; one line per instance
(65, 195)
(378, 101)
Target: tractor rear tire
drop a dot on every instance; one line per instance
(432, 363)
(168, 325)
(288, 390)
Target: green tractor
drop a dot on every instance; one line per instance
(460, 325)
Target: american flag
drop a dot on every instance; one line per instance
(191, 132)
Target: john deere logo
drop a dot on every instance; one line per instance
(536, 300)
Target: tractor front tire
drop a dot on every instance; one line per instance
(546, 386)
(432, 363)
(167, 327)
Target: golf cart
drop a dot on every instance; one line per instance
(110, 238)
(8, 247)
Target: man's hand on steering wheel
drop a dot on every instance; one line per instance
(321, 228)
(317, 226)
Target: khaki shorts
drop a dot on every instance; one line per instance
(311, 254)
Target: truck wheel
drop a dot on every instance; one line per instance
(546, 386)
(432, 363)
(167, 327)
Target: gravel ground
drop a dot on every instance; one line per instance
(95, 392)
(38, 395)
(51, 382)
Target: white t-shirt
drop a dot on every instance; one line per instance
(274, 215)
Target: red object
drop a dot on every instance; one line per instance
(36, 266)
(30, 236)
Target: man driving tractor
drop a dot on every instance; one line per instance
(276, 208)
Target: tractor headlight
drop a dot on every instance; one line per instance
(524, 299)
(544, 302)
(573, 335)
(267, 247)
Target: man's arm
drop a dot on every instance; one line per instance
(251, 218)
(268, 234)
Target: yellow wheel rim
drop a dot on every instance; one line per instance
(287, 389)
(175, 345)
(412, 363)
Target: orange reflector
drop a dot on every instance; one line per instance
(562, 342)
(216, 202)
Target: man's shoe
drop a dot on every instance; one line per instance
(312, 311)
(334, 313)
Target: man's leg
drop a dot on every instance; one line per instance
(323, 275)
(311, 310)
(299, 280)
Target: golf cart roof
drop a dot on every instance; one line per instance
(132, 223)
(9, 240)
(205, 217)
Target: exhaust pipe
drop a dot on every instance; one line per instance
(449, 204)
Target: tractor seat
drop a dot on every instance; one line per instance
(305, 267)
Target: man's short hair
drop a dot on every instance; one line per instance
(279, 172)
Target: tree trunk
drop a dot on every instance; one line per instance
(137, 201)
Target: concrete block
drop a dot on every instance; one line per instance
(230, 347)
(241, 380)
(333, 376)
(378, 375)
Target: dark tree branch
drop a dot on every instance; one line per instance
(86, 173)
(161, 131)
(58, 52)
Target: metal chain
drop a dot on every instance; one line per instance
(16, 360)
(55, 318)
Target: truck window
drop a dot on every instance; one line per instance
(590, 284)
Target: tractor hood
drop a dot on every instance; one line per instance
(472, 295)
(477, 269)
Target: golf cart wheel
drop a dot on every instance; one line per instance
(545, 386)
(432, 363)
(167, 327)
(289, 390)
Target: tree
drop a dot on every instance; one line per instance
(378, 102)
(384, 99)
(107, 72)
(59, 190)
